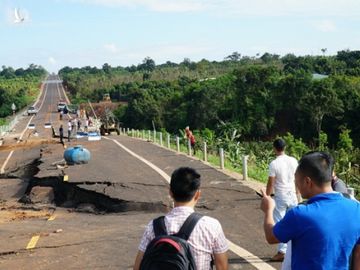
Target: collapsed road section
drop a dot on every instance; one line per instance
(70, 195)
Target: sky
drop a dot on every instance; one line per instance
(77, 33)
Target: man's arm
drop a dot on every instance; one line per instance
(138, 260)
(267, 206)
(270, 185)
(221, 261)
(356, 258)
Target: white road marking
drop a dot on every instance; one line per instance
(65, 95)
(243, 253)
(2, 170)
(6, 161)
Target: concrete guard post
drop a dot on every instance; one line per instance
(244, 170)
(161, 138)
(189, 147)
(168, 140)
(222, 164)
(205, 152)
(177, 144)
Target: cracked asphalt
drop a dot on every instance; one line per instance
(75, 235)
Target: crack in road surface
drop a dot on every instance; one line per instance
(70, 195)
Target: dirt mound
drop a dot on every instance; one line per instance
(28, 144)
(9, 215)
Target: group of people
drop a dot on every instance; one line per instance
(323, 232)
(73, 125)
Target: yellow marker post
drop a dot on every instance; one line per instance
(52, 218)
(33, 242)
(66, 177)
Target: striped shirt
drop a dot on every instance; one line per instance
(206, 239)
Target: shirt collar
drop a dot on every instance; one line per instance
(182, 209)
(326, 196)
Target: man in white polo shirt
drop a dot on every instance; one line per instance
(282, 182)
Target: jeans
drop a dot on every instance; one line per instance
(283, 202)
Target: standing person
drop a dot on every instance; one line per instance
(69, 130)
(61, 133)
(190, 136)
(86, 124)
(324, 231)
(207, 239)
(282, 181)
(79, 124)
(73, 125)
(61, 115)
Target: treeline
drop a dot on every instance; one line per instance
(260, 97)
(20, 86)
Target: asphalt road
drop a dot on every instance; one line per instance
(108, 201)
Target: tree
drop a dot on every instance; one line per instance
(235, 56)
(148, 65)
(321, 100)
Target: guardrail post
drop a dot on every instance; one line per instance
(161, 140)
(177, 144)
(221, 152)
(127, 131)
(154, 136)
(189, 147)
(205, 152)
(168, 140)
(149, 135)
(132, 132)
(143, 134)
(244, 162)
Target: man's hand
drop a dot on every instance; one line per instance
(268, 206)
(267, 203)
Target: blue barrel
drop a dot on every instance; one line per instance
(77, 155)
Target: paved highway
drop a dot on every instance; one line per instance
(103, 206)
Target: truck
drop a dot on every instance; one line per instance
(109, 123)
(32, 110)
(61, 106)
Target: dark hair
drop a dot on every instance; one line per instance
(279, 144)
(184, 183)
(318, 166)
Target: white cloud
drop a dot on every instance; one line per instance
(52, 60)
(243, 7)
(111, 47)
(325, 26)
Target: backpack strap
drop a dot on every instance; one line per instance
(159, 226)
(188, 226)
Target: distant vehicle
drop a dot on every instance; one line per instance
(61, 106)
(32, 110)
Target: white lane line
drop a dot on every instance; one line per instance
(249, 257)
(57, 86)
(2, 170)
(6, 161)
(65, 95)
(243, 253)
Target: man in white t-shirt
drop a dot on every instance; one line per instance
(282, 182)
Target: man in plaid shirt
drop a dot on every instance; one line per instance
(207, 240)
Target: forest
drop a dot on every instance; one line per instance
(314, 100)
(20, 86)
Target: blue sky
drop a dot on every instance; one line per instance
(76, 33)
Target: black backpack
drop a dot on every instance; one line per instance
(170, 252)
